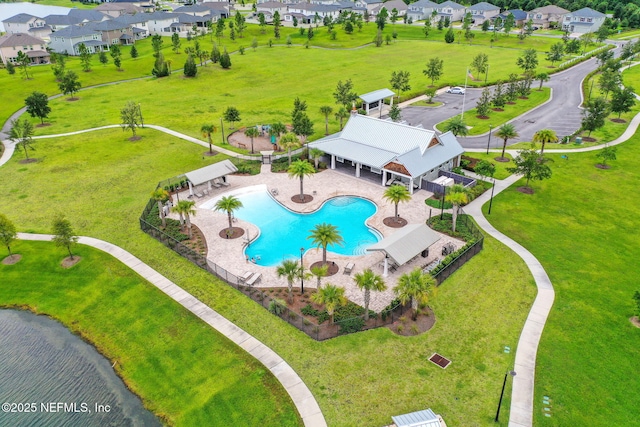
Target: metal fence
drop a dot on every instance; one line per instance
(316, 331)
(457, 178)
(460, 257)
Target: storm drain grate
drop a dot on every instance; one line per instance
(439, 360)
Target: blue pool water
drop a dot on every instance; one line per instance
(283, 232)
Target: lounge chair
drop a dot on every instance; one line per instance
(348, 268)
(215, 184)
(223, 182)
(199, 195)
(245, 276)
(254, 279)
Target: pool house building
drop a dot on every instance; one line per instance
(397, 152)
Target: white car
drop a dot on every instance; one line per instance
(456, 90)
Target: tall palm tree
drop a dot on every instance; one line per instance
(186, 208)
(289, 142)
(369, 281)
(228, 204)
(324, 235)
(316, 154)
(320, 272)
(332, 297)
(457, 126)
(545, 136)
(342, 114)
(457, 195)
(396, 194)
(300, 169)
(326, 111)
(208, 130)
(506, 132)
(251, 133)
(161, 195)
(416, 287)
(277, 129)
(290, 270)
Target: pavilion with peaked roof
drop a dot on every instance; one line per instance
(397, 152)
(376, 98)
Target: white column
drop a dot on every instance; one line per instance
(190, 188)
(385, 272)
(391, 104)
(384, 177)
(367, 104)
(333, 161)
(357, 170)
(410, 185)
(209, 185)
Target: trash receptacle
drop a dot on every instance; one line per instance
(578, 140)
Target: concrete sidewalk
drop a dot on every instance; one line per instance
(300, 394)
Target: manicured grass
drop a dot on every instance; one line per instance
(498, 118)
(101, 181)
(625, 35)
(501, 167)
(67, 3)
(582, 226)
(184, 370)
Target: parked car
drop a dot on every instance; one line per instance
(456, 90)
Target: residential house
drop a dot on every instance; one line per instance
(146, 5)
(58, 22)
(271, 7)
(312, 11)
(547, 16)
(585, 20)
(68, 39)
(11, 44)
(519, 16)
(89, 15)
(398, 5)
(114, 31)
(116, 9)
(421, 10)
(162, 23)
(394, 151)
(368, 4)
(27, 24)
(223, 9)
(452, 10)
(138, 24)
(483, 11)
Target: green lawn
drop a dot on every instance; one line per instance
(498, 118)
(501, 167)
(101, 181)
(184, 370)
(582, 225)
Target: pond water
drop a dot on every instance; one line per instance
(59, 379)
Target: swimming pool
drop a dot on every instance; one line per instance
(283, 232)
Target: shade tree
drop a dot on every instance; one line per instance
(434, 69)
(594, 114)
(400, 82)
(63, 234)
(231, 115)
(130, 117)
(7, 232)
(21, 133)
(531, 165)
(622, 100)
(70, 84)
(38, 105)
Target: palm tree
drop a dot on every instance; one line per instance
(324, 235)
(290, 270)
(332, 297)
(300, 169)
(290, 141)
(506, 132)
(457, 126)
(457, 195)
(369, 281)
(208, 130)
(320, 272)
(186, 208)
(396, 194)
(276, 130)
(544, 136)
(251, 132)
(326, 111)
(342, 114)
(161, 195)
(416, 287)
(228, 204)
(316, 154)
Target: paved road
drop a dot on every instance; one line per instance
(429, 117)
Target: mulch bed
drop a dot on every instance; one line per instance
(75, 98)
(296, 198)
(511, 103)
(333, 267)
(588, 139)
(68, 262)
(235, 233)
(498, 109)
(42, 125)
(525, 190)
(483, 117)
(394, 222)
(616, 120)
(25, 161)
(135, 138)
(502, 159)
(12, 259)
(423, 323)
(523, 97)
(210, 153)
(601, 166)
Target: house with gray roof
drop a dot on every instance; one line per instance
(311, 10)
(89, 15)
(23, 23)
(116, 9)
(547, 16)
(483, 11)
(368, 4)
(421, 10)
(389, 5)
(585, 20)
(68, 39)
(58, 22)
(33, 47)
(395, 152)
(451, 10)
(519, 16)
(161, 23)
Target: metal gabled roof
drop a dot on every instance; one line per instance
(401, 246)
(207, 173)
(377, 95)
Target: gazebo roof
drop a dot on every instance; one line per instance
(425, 418)
(377, 95)
(407, 242)
(207, 173)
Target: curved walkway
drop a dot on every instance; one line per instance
(300, 394)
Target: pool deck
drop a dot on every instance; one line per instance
(327, 184)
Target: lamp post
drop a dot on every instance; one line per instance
(140, 113)
(489, 141)
(491, 200)
(301, 271)
(504, 383)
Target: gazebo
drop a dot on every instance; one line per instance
(208, 173)
(425, 418)
(405, 244)
(375, 99)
